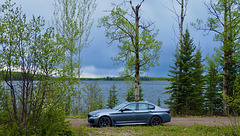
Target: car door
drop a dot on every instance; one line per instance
(126, 115)
(143, 113)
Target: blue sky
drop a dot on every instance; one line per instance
(96, 59)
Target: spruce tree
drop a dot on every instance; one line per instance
(213, 94)
(186, 85)
(112, 98)
(176, 100)
(197, 104)
(187, 78)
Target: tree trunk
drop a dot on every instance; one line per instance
(225, 60)
(137, 65)
(181, 38)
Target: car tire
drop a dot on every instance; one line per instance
(155, 121)
(104, 122)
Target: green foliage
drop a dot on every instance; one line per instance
(233, 102)
(94, 99)
(29, 107)
(112, 98)
(130, 97)
(213, 96)
(186, 88)
(224, 22)
(120, 28)
(73, 22)
(138, 48)
(197, 104)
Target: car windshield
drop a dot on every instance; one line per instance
(119, 106)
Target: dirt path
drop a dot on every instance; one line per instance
(184, 121)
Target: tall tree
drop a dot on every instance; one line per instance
(139, 49)
(183, 94)
(180, 17)
(213, 87)
(197, 104)
(73, 23)
(225, 22)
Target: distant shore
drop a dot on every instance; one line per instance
(122, 78)
(17, 76)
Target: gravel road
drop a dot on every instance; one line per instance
(184, 121)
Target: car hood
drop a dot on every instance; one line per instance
(102, 111)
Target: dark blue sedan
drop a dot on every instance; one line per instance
(130, 113)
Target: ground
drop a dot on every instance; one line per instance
(184, 121)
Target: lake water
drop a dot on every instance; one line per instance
(152, 90)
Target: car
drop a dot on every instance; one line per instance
(130, 113)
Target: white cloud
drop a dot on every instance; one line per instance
(93, 72)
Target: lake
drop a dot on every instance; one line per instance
(151, 90)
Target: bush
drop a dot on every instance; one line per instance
(93, 99)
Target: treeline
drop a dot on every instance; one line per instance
(208, 86)
(17, 76)
(123, 78)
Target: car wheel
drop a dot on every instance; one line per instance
(104, 122)
(155, 121)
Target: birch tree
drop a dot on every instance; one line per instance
(139, 50)
(73, 22)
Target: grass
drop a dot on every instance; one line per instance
(196, 130)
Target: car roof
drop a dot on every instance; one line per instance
(141, 102)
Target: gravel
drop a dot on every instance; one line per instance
(184, 121)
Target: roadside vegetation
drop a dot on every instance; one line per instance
(197, 130)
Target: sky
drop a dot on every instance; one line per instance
(96, 59)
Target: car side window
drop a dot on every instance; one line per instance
(142, 106)
(151, 107)
(130, 107)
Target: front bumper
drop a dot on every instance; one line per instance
(93, 121)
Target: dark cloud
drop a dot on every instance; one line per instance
(96, 59)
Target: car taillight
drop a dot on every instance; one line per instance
(168, 111)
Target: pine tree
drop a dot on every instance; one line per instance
(213, 94)
(176, 100)
(197, 104)
(112, 98)
(186, 85)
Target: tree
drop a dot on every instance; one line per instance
(73, 23)
(94, 99)
(130, 91)
(197, 104)
(29, 107)
(225, 23)
(112, 98)
(138, 50)
(184, 97)
(213, 87)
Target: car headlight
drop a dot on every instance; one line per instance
(95, 115)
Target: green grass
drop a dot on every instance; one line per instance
(197, 130)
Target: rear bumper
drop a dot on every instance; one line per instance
(166, 118)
